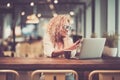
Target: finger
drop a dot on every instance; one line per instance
(78, 41)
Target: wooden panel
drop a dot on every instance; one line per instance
(55, 76)
(109, 76)
(2, 76)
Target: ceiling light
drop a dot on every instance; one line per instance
(32, 4)
(23, 13)
(8, 4)
(72, 13)
(39, 15)
(51, 6)
(54, 14)
(55, 1)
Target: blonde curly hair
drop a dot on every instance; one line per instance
(55, 26)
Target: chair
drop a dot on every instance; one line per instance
(53, 74)
(105, 74)
(5, 73)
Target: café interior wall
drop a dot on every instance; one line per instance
(97, 18)
(119, 28)
(88, 22)
(7, 20)
(82, 24)
(111, 17)
(100, 17)
(104, 17)
(101, 24)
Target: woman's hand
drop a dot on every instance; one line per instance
(74, 45)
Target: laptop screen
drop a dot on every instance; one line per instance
(91, 48)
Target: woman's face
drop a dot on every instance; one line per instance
(65, 30)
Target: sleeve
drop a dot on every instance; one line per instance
(48, 46)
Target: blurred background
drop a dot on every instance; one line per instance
(26, 20)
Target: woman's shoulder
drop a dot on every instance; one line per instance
(46, 39)
(46, 36)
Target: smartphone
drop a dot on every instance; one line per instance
(76, 37)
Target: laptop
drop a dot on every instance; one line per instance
(91, 48)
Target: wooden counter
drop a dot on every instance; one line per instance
(58, 63)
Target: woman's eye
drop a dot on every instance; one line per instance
(67, 27)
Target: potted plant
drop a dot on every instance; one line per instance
(111, 44)
(93, 35)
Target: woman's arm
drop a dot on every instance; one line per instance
(50, 51)
(56, 53)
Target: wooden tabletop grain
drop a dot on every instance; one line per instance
(58, 63)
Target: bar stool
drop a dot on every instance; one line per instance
(105, 74)
(4, 72)
(53, 74)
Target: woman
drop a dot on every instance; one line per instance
(57, 39)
